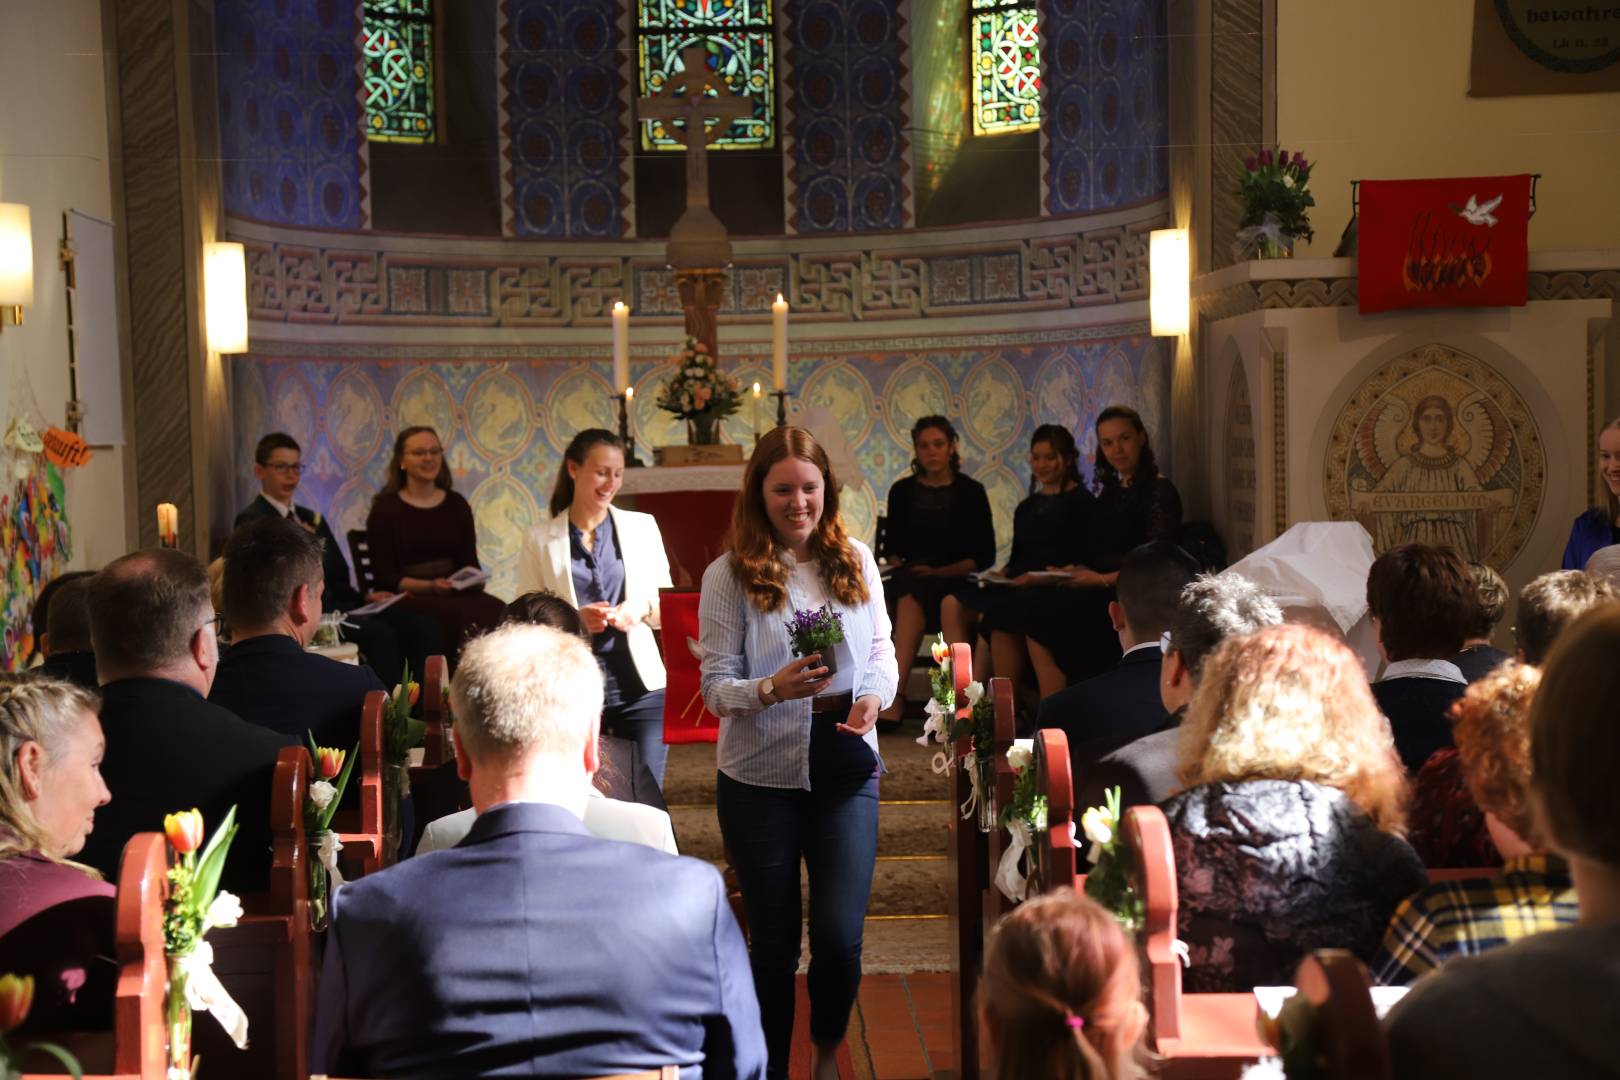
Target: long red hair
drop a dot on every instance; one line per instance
(758, 558)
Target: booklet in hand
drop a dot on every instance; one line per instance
(378, 605)
(467, 577)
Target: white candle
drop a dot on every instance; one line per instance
(779, 312)
(621, 347)
(168, 523)
(756, 410)
(629, 394)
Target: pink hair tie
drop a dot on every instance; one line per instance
(1076, 1022)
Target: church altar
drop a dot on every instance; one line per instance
(692, 504)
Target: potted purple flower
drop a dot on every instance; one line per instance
(817, 630)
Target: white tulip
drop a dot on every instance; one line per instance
(226, 910)
(321, 794)
(974, 691)
(1020, 757)
(1098, 826)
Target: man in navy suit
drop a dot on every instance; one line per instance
(273, 586)
(1124, 703)
(532, 948)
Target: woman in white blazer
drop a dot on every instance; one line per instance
(609, 564)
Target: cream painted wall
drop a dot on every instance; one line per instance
(1378, 89)
(54, 157)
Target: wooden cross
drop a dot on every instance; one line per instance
(695, 106)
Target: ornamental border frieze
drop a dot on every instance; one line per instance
(1275, 293)
(299, 282)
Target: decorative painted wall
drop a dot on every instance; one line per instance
(290, 112)
(1105, 103)
(846, 110)
(564, 119)
(505, 422)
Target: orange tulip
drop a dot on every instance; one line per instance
(184, 830)
(942, 651)
(415, 692)
(16, 998)
(329, 761)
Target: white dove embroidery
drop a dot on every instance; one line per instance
(1475, 214)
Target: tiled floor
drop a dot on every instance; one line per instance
(900, 1030)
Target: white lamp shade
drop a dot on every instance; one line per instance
(225, 296)
(1170, 281)
(16, 256)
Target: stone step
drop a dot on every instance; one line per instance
(904, 886)
(690, 775)
(904, 828)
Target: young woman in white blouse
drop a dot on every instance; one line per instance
(798, 756)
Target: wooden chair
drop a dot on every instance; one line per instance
(360, 551)
(1347, 1026)
(266, 961)
(361, 831)
(969, 872)
(1004, 697)
(1054, 865)
(138, 1036)
(1198, 1035)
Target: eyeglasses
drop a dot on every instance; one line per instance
(217, 621)
(1164, 644)
(284, 469)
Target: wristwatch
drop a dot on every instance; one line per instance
(768, 689)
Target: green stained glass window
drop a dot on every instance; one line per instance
(737, 36)
(398, 49)
(1005, 52)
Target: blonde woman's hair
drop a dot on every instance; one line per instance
(525, 689)
(1061, 996)
(41, 710)
(1291, 702)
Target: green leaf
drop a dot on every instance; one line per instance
(324, 818)
(69, 1062)
(212, 863)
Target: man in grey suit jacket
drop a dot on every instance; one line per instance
(532, 948)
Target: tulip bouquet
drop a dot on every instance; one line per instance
(195, 906)
(402, 732)
(1111, 882)
(16, 998)
(332, 769)
(1276, 197)
(699, 392)
(1024, 818)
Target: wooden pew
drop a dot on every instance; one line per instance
(266, 961)
(436, 746)
(1054, 865)
(1004, 697)
(138, 1036)
(1347, 1028)
(969, 875)
(361, 831)
(1197, 1035)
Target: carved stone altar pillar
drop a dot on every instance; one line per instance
(702, 289)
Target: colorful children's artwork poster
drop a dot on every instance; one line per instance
(36, 540)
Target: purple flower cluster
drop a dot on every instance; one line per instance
(815, 628)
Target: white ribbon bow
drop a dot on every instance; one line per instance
(969, 761)
(1013, 884)
(328, 853)
(205, 993)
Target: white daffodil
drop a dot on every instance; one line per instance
(1098, 826)
(974, 691)
(1020, 757)
(226, 910)
(321, 794)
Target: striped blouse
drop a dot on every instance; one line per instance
(770, 746)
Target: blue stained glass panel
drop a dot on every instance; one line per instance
(739, 41)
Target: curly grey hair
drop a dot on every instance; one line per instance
(1214, 607)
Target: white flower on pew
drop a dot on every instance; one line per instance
(1020, 755)
(321, 794)
(226, 910)
(933, 723)
(974, 691)
(1098, 826)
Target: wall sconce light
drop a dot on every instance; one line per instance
(225, 297)
(1169, 282)
(16, 262)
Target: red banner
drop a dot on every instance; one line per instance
(685, 718)
(1461, 242)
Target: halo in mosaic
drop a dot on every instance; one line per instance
(397, 48)
(739, 40)
(1005, 49)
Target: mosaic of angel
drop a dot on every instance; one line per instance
(1431, 449)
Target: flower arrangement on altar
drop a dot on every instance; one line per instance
(1111, 881)
(699, 392)
(1024, 818)
(817, 630)
(978, 727)
(16, 999)
(319, 807)
(195, 906)
(1276, 195)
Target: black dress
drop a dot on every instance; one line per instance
(1048, 530)
(935, 526)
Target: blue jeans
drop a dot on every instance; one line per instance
(641, 720)
(833, 827)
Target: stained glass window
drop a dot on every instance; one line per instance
(399, 70)
(1005, 53)
(739, 39)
